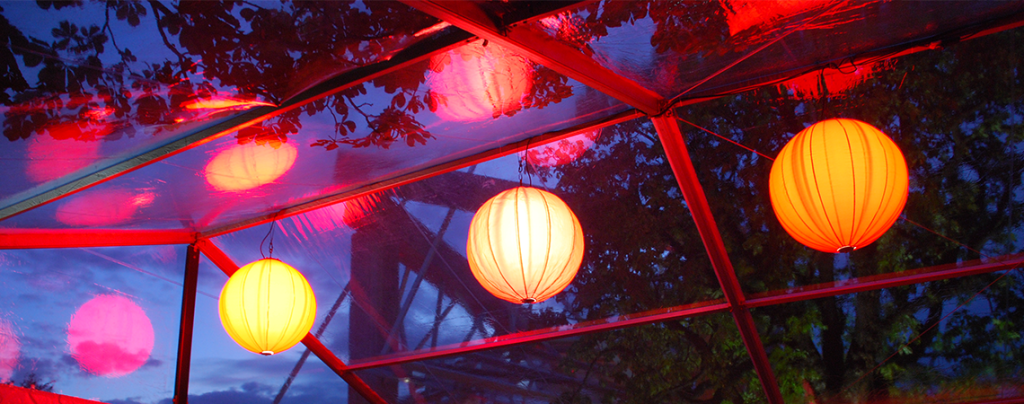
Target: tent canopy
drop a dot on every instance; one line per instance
(152, 148)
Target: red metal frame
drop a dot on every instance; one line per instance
(188, 314)
(679, 158)
(424, 174)
(14, 239)
(226, 264)
(545, 50)
(675, 313)
(877, 282)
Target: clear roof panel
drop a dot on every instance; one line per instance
(943, 341)
(700, 49)
(96, 323)
(407, 297)
(90, 84)
(681, 361)
(962, 143)
(410, 120)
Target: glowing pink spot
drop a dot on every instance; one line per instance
(219, 103)
(49, 158)
(10, 348)
(832, 82)
(110, 336)
(563, 151)
(107, 208)
(744, 14)
(477, 82)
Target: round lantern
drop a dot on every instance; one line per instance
(525, 245)
(267, 306)
(249, 165)
(479, 82)
(838, 185)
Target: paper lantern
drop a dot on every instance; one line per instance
(525, 245)
(267, 306)
(479, 82)
(247, 166)
(110, 336)
(838, 185)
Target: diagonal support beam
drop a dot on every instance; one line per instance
(423, 174)
(15, 239)
(226, 264)
(776, 297)
(543, 49)
(188, 314)
(679, 158)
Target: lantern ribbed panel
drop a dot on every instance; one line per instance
(267, 306)
(525, 245)
(838, 183)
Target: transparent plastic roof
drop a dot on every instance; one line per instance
(364, 135)
(416, 118)
(698, 49)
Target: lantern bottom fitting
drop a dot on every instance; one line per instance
(267, 353)
(846, 249)
(529, 300)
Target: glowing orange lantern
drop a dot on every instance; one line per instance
(267, 306)
(525, 245)
(479, 82)
(838, 185)
(249, 165)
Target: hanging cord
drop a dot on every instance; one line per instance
(524, 167)
(270, 233)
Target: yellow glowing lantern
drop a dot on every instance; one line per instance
(525, 245)
(838, 185)
(267, 306)
(249, 165)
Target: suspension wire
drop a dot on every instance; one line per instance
(270, 233)
(725, 138)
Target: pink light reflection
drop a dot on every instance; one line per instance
(110, 336)
(563, 151)
(61, 153)
(108, 208)
(10, 349)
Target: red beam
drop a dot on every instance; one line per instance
(77, 238)
(679, 158)
(884, 281)
(544, 49)
(226, 264)
(434, 171)
(529, 337)
(341, 369)
(188, 314)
